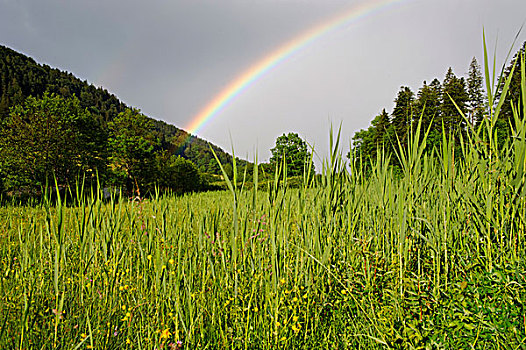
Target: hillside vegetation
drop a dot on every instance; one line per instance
(42, 109)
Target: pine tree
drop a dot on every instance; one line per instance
(427, 104)
(454, 89)
(380, 133)
(4, 107)
(475, 103)
(514, 92)
(403, 113)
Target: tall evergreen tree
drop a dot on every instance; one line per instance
(4, 106)
(367, 142)
(514, 92)
(403, 113)
(454, 89)
(427, 104)
(381, 126)
(475, 90)
(427, 107)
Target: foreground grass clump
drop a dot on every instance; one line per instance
(431, 258)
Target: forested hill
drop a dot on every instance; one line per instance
(53, 124)
(21, 76)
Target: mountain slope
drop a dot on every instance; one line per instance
(21, 76)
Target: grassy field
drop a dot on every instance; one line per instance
(433, 257)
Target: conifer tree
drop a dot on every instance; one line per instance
(454, 89)
(4, 106)
(514, 93)
(427, 104)
(475, 90)
(402, 113)
(375, 138)
(381, 128)
(427, 107)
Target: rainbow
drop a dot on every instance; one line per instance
(248, 77)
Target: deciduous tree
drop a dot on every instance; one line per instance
(295, 151)
(179, 175)
(50, 137)
(132, 146)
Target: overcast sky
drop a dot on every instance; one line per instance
(171, 58)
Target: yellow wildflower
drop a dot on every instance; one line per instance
(165, 334)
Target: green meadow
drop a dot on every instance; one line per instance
(428, 257)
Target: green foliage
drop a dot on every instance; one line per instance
(448, 105)
(403, 113)
(513, 98)
(132, 164)
(454, 97)
(294, 151)
(47, 138)
(179, 175)
(427, 105)
(379, 137)
(432, 258)
(132, 147)
(475, 90)
(21, 76)
(177, 142)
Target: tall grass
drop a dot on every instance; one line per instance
(431, 258)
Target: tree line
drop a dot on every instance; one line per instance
(54, 138)
(453, 106)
